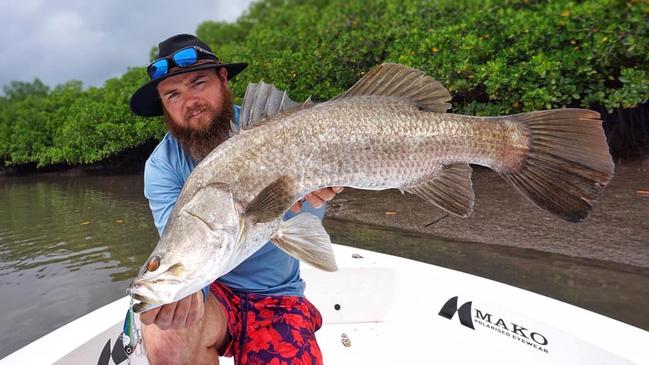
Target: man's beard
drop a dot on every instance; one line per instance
(199, 143)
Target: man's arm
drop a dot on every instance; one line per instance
(162, 185)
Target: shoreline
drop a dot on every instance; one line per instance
(616, 231)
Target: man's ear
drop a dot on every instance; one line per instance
(223, 72)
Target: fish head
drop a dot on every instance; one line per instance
(194, 250)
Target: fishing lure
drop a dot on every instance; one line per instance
(131, 337)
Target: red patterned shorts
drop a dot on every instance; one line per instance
(277, 330)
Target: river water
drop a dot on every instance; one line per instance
(70, 244)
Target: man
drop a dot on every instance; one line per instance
(257, 313)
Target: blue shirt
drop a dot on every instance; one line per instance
(268, 271)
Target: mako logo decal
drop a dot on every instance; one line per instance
(118, 355)
(471, 316)
(464, 312)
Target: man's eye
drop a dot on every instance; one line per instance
(172, 96)
(198, 83)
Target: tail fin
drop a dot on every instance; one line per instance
(568, 163)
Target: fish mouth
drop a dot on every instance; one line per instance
(141, 304)
(142, 307)
(148, 297)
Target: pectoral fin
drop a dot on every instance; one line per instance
(304, 238)
(273, 201)
(450, 189)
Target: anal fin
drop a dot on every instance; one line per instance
(450, 189)
(304, 238)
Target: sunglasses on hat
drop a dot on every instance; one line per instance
(183, 57)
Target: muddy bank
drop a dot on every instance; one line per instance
(617, 230)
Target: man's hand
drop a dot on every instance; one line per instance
(177, 315)
(317, 198)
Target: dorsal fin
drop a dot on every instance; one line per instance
(391, 79)
(263, 100)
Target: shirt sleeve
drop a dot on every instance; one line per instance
(162, 185)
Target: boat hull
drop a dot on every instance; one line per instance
(382, 309)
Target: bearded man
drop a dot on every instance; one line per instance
(189, 87)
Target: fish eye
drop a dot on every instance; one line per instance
(153, 263)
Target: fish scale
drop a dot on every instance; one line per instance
(408, 147)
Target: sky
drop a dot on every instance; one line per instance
(94, 40)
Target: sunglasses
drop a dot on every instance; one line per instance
(183, 57)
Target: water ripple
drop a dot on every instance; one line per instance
(67, 244)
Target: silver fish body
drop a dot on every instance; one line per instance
(388, 131)
(364, 142)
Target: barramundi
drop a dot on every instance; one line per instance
(390, 130)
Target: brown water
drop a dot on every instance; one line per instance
(71, 244)
(68, 245)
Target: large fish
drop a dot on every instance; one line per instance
(389, 131)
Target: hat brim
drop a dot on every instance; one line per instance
(146, 102)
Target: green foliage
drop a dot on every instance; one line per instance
(24, 130)
(17, 90)
(495, 57)
(101, 124)
(70, 125)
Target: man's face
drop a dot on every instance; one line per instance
(198, 109)
(193, 99)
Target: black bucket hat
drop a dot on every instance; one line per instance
(146, 101)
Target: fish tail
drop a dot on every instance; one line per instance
(567, 164)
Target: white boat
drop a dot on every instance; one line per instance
(382, 309)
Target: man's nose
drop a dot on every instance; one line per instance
(191, 101)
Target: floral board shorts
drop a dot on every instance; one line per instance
(277, 330)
